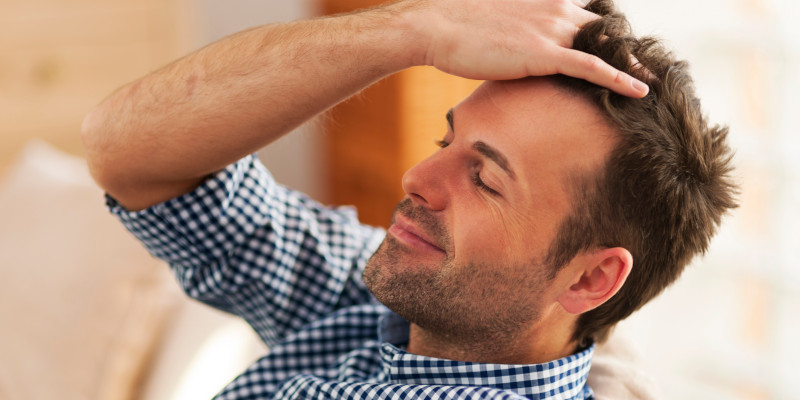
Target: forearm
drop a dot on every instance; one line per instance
(159, 136)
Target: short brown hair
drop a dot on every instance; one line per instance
(666, 185)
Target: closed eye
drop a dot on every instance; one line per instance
(478, 182)
(475, 176)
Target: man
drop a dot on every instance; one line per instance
(554, 209)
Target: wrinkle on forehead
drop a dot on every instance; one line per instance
(526, 84)
(554, 98)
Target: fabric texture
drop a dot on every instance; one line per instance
(619, 372)
(82, 305)
(292, 268)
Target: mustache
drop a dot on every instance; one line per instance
(425, 220)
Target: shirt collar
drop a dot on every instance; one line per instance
(564, 378)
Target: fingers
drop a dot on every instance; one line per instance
(641, 70)
(591, 68)
(578, 17)
(581, 3)
(583, 17)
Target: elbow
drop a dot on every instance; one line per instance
(96, 146)
(115, 161)
(91, 140)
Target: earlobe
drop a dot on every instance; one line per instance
(599, 276)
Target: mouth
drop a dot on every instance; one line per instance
(404, 231)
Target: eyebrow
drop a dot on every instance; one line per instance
(486, 150)
(496, 156)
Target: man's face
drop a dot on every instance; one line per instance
(464, 253)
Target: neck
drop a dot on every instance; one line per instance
(535, 346)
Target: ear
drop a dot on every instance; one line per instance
(598, 276)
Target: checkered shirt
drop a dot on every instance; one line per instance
(292, 268)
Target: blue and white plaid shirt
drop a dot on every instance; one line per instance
(292, 268)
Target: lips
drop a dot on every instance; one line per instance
(406, 232)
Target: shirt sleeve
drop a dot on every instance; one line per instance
(246, 245)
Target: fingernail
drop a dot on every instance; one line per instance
(640, 86)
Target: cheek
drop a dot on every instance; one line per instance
(525, 236)
(477, 235)
(491, 234)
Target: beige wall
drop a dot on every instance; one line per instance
(60, 58)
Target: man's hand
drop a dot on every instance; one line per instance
(509, 39)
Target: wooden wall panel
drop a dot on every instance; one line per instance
(427, 95)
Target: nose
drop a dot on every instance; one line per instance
(426, 183)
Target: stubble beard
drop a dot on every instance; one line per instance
(471, 303)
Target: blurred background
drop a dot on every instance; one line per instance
(728, 329)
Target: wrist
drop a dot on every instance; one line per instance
(384, 39)
(408, 37)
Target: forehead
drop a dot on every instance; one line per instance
(538, 126)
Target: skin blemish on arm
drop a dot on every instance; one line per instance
(191, 84)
